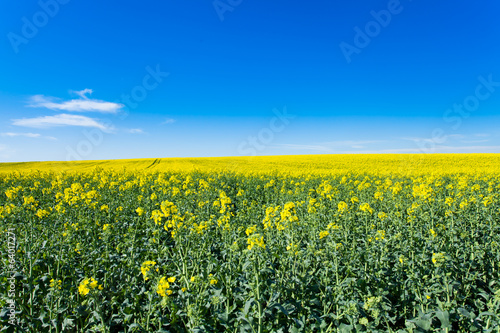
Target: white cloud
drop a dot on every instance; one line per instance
(61, 120)
(135, 131)
(351, 142)
(28, 135)
(169, 121)
(330, 147)
(83, 104)
(82, 93)
(474, 141)
(303, 147)
(419, 140)
(450, 137)
(438, 149)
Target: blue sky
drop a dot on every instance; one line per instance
(94, 80)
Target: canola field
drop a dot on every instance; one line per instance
(324, 243)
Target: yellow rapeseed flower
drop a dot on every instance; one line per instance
(323, 234)
(139, 211)
(145, 267)
(162, 287)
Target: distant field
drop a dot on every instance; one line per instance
(300, 164)
(323, 243)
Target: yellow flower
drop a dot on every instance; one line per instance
(86, 285)
(55, 284)
(105, 227)
(438, 258)
(366, 208)
(255, 239)
(140, 211)
(332, 226)
(323, 234)
(41, 213)
(83, 288)
(145, 267)
(162, 287)
(105, 208)
(342, 206)
(251, 230)
(93, 283)
(171, 279)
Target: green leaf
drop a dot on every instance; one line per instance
(248, 304)
(67, 323)
(444, 317)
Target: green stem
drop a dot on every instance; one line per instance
(257, 286)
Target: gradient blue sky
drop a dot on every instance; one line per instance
(247, 78)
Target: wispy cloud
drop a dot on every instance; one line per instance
(303, 147)
(474, 141)
(331, 146)
(82, 104)
(27, 135)
(135, 131)
(168, 121)
(436, 149)
(82, 93)
(420, 140)
(451, 138)
(61, 120)
(342, 143)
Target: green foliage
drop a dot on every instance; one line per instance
(274, 253)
